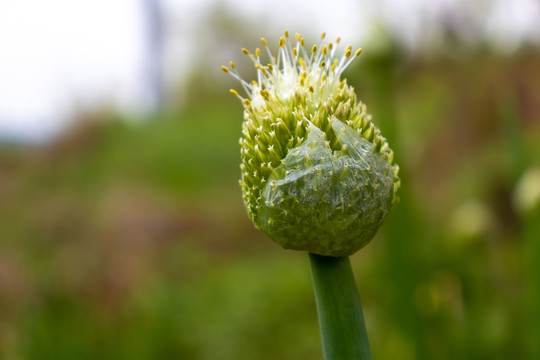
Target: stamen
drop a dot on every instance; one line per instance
(333, 67)
(348, 51)
(324, 50)
(313, 52)
(261, 68)
(235, 74)
(294, 66)
(300, 45)
(292, 59)
(265, 44)
(356, 54)
(265, 94)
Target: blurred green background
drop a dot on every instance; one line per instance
(122, 241)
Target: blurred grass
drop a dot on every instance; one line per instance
(131, 241)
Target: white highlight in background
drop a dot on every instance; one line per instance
(59, 56)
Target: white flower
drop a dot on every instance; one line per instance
(314, 73)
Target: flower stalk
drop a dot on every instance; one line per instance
(341, 322)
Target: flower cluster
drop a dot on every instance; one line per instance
(317, 174)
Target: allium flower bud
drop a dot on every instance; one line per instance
(317, 175)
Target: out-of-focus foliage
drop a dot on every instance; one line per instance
(131, 242)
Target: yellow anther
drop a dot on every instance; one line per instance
(338, 39)
(330, 46)
(302, 62)
(259, 67)
(234, 92)
(323, 64)
(302, 81)
(245, 51)
(323, 35)
(323, 78)
(314, 49)
(358, 52)
(298, 37)
(254, 83)
(304, 75)
(294, 52)
(233, 65)
(257, 52)
(224, 68)
(333, 67)
(286, 32)
(247, 102)
(310, 89)
(323, 50)
(263, 41)
(281, 42)
(302, 42)
(270, 67)
(347, 53)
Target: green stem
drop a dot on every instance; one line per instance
(341, 322)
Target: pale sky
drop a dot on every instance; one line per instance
(57, 55)
(61, 56)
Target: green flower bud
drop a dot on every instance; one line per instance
(317, 175)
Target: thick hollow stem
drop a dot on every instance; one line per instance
(341, 322)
